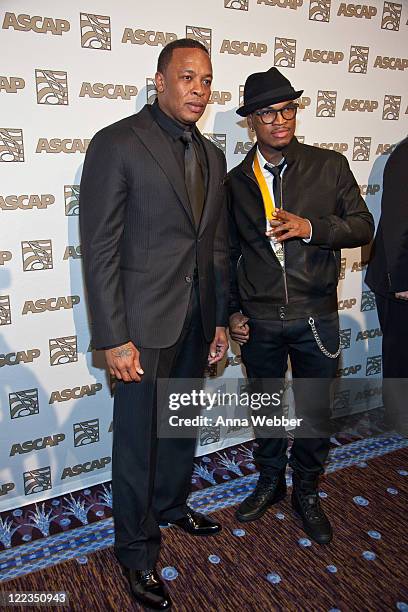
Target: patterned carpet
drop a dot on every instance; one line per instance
(269, 565)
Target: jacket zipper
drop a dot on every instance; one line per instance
(283, 244)
(284, 251)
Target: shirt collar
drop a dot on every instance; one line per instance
(173, 127)
(263, 161)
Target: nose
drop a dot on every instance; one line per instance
(279, 118)
(197, 88)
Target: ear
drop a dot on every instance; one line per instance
(159, 81)
(250, 123)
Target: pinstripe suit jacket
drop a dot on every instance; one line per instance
(139, 241)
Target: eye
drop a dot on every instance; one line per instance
(187, 77)
(207, 82)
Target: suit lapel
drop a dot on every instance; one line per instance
(152, 138)
(213, 182)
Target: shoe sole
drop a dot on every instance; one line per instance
(323, 541)
(195, 535)
(243, 519)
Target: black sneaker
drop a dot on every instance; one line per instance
(306, 503)
(270, 489)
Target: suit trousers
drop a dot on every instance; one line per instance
(151, 476)
(393, 317)
(265, 357)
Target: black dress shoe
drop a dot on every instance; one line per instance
(147, 589)
(270, 489)
(306, 503)
(197, 524)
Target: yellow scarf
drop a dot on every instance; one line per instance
(266, 195)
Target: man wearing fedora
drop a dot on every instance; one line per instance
(293, 207)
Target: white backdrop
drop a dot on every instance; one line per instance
(351, 60)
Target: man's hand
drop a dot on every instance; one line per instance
(402, 295)
(286, 225)
(123, 362)
(218, 346)
(239, 330)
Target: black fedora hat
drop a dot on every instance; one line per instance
(265, 88)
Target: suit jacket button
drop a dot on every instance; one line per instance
(188, 279)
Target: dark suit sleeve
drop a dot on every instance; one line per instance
(353, 225)
(103, 194)
(394, 219)
(221, 252)
(235, 254)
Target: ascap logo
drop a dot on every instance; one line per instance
(11, 359)
(367, 301)
(241, 95)
(86, 432)
(26, 202)
(220, 141)
(243, 147)
(324, 57)
(72, 252)
(340, 147)
(11, 84)
(319, 10)
(220, 97)
(110, 91)
(373, 365)
(147, 37)
(63, 350)
(236, 47)
(38, 480)
(345, 338)
(359, 266)
(347, 303)
(71, 198)
(291, 4)
(5, 310)
(391, 16)
(11, 145)
(363, 396)
(74, 393)
(391, 108)
(390, 63)
(6, 488)
(151, 91)
(370, 189)
(342, 271)
(239, 5)
(95, 32)
(358, 60)
(356, 10)
(84, 468)
(40, 25)
(37, 444)
(210, 435)
(52, 87)
(341, 402)
(50, 304)
(326, 103)
(285, 52)
(23, 403)
(368, 334)
(65, 145)
(360, 105)
(304, 102)
(361, 149)
(348, 371)
(203, 35)
(37, 255)
(385, 148)
(4, 257)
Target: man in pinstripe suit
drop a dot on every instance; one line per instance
(154, 244)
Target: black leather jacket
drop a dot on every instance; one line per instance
(318, 185)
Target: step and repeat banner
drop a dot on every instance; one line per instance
(70, 68)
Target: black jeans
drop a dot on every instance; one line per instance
(151, 476)
(265, 356)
